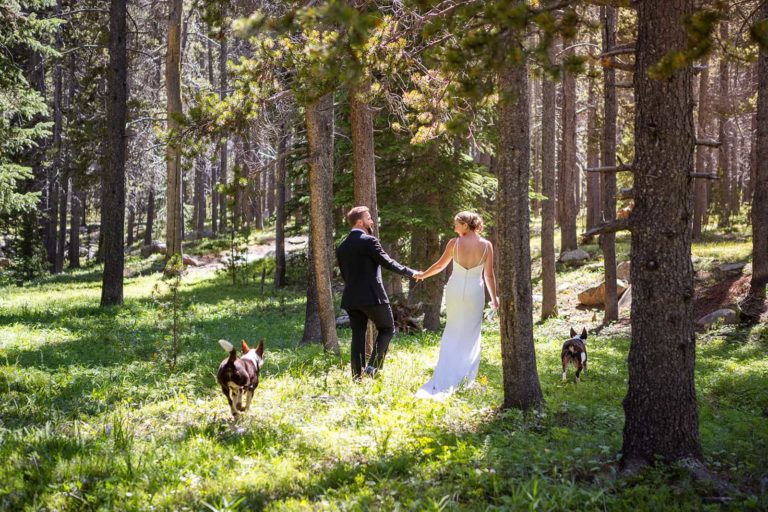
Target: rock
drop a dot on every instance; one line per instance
(574, 256)
(625, 302)
(595, 296)
(726, 316)
(189, 260)
(5, 262)
(205, 233)
(729, 269)
(154, 248)
(622, 271)
(342, 321)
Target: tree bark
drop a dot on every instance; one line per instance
(223, 145)
(312, 330)
(131, 225)
(536, 146)
(258, 199)
(548, 172)
(661, 417)
(425, 250)
(593, 157)
(62, 231)
(759, 279)
(723, 162)
(150, 216)
(280, 172)
(113, 200)
(364, 167)
(173, 154)
(521, 380)
(320, 141)
(212, 168)
(700, 187)
(608, 179)
(568, 172)
(270, 190)
(74, 227)
(198, 197)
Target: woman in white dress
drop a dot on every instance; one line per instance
(472, 258)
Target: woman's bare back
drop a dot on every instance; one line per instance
(470, 251)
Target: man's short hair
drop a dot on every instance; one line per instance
(356, 214)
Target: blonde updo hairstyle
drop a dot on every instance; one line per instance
(471, 219)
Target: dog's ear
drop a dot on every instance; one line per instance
(573, 333)
(584, 334)
(244, 346)
(260, 349)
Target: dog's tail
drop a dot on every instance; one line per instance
(227, 346)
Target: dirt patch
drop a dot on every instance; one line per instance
(723, 294)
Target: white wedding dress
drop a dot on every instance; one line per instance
(459, 357)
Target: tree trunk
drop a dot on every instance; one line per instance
(212, 167)
(521, 380)
(548, 172)
(223, 147)
(113, 200)
(723, 163)
(425, 250)
(749, 195)
(568, 173)
(198, 197)
(393, 283)
(320, 141)
(759, 279)
(150, 216)
(608, 179)
(700, 199)
(536, 203)
(312, 330)
(74, 227)
(173, 154)
(131, 224)
(280, 171)
(62, 233)
(661, 417)
(593, 156)
(258, 199)
(364, 168)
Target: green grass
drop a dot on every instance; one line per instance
(91, 418)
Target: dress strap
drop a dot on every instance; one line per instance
(456, 249)
(485, 251)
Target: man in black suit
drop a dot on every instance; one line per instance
(360, 258)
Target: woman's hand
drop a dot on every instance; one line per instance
(494, 303)
(419, 276)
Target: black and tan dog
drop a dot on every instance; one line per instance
(575, 352)
(239, 376)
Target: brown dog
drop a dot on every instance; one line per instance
(575, 352)
(239, 376)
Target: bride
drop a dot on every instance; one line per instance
(472, 258)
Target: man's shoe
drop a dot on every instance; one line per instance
(370, 371)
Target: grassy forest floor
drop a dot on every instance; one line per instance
(91, 418)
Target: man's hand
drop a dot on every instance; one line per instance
(419, 276)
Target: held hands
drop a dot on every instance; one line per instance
(419, 276)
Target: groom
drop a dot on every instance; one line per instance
(360, 258)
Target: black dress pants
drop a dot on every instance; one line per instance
(381, 316)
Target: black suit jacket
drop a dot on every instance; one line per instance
(360, 258)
